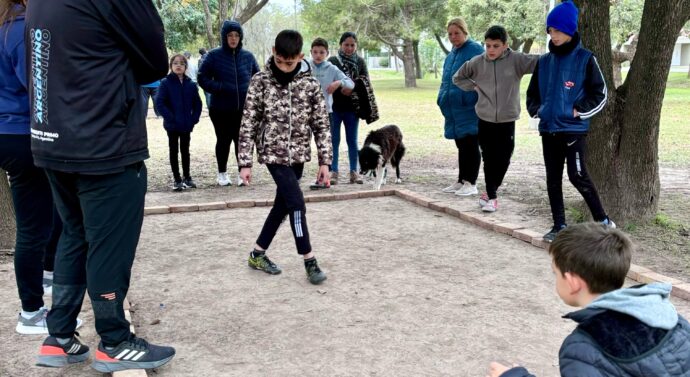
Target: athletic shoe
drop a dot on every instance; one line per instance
(223, 179)
(453, 188)
(467, 189)
(609, 223)
(37, 324)
(334, 178)
(47, 286)
(551, 235)
(490, 206)
(314, 273)
(483, 199)
(178, 186)
(262, 263)
(135, 353)
(355, 178)
(240, 182)
(55, 355)
(189, 183)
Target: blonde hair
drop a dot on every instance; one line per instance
(459, 23)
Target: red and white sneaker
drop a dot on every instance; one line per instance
(55, 355)
(490, 206)
(483, 199)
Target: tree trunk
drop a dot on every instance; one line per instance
(440, 43)
(623, 139)
(528, 45)
(417, 60)
(619, 57)
(7, 222)
(515, 44)
(209, 25)
(689, 72)
(250, 10)
(223, 6)
(408, 64)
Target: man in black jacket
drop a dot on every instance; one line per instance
(86, 60)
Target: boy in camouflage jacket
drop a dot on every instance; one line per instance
(284, 107)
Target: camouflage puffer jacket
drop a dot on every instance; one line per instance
(280, 119)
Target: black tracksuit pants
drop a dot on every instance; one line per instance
(289, 201)
(102, 217)
(571, 148)
(468, 158)
(227, 127)
(179, 141)
(497, 142)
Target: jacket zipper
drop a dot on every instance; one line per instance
(289, 122)
(237, 89)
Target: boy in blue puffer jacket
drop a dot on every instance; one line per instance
(566, 90)
(630, 332)
(179, 102)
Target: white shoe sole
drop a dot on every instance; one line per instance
(467, 193)
(36, 330)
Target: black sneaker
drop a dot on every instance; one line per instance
(189, 183)
(262, 263)
(551, 235)
(135, 353)
(314, 273)
(55, 355)
(178, 186)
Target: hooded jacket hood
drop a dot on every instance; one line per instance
(230, 26)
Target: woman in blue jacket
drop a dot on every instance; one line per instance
(180, 105)
(225, 73)
(457, 107)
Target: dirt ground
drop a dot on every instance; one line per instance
(410, 292)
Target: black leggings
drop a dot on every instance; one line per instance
(289, 201)
(179, 140)
(468, 158)
(497, 141)
(572, 149)
(227, 127)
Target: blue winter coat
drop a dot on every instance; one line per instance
(14, 98)
(226, 72)
(179, 103)
(457, 105)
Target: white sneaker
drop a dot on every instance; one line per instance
(467, 189)
(490, 206)
(240, 182)
(453, 188)
(37, 324)
(483, 199)
(47, 283)
(223, 179)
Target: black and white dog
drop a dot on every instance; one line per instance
(380, 147)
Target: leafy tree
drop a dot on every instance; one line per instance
(624, 137)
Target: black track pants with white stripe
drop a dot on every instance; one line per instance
(289, 201)
(572, 148)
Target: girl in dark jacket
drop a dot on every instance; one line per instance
(179, 103)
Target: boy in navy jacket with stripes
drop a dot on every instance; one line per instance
(566, 90)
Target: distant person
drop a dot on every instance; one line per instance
(566, 90)
(344, 113)
(93, 151)
(225, 73)
(149, 91)
(285, 102)
(179, 103)
(495, 75)
(632, 332)
(458, 109)
(38, 230)
(192, 67)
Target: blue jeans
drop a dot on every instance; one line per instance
(351, 126)
(33, 208)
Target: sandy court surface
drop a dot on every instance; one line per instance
(410, 292)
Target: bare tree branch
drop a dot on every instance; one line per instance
(250, 10)
(440, 43)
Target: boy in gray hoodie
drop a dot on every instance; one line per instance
(495, 75)
(628, 332)
(330, 77)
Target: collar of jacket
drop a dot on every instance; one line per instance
(565, 48)
(504, 55)
(284, 78)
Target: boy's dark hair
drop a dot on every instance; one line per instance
(346, 35)
(184, 58)
(288, 43)
(320, 42)
(202, 51)
(599, 255)
(496, 32)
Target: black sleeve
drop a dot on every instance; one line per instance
(595, 90)
(533, 96)
(363, 69)
(138, 27)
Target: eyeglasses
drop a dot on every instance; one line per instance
(179, 63)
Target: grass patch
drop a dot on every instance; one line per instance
(662, 220)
